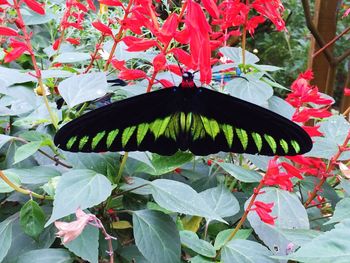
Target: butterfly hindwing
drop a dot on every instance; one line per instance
(226, 123)
(137, 123)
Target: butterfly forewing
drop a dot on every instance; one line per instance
(196, 119)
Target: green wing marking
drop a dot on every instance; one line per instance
(183, 121)
(141, 132)
(243, 137)
(97, 139)
(271, 141)
(70, 143)
(258, 140)
(211, 126)
(83, 141)
(228, 132)
(295, 145)
(188, 121)
(284, 146)
(111, 136)
(127, 133)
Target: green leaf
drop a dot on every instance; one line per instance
(5, 139)
(132, 253)
(299, 236)
(223, 236)
(86, 244)
(72, 57)
(26, 150)
(165, 164)
(57, 255)
(245, 251)
(34, 175)
(32, 219)
(79, 189)
(241, 174)
(135, 182)
(202, 247)
(5, 237)
(156, 236)
(200, 259)
(4, 187)
(235, 54)
(289, 213)
(81, 88)
(221, 200)
(181, 198)
(332, 246)
(342, 211)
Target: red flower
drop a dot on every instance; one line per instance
(56, 44)
(159, 62)
(263, 210)
(132, 74)
(346, 13)
(313, 131)
(138, 44)
(111, 2)
(118, 64)
(253, 23)
(35, 6)
(347, 90)
(73, 41)
(166, 83)
(211, 7)
(18, 48)
(91, 5)
(273, 10)
(102, 28)
(9, 32)
(308, 113)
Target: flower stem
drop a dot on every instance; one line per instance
(121, 168)
(21, 190)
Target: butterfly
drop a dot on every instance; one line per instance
(184, 117)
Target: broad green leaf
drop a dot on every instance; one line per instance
(202, 247)
(4, 187)
(156, 236)
(51, 185)
(32, 219)
(290, 214)
(5, 237)
(181, 198)
(240, 173)
(235, 54)
(281, 107)
(223, 236)
(34, 175)
(165, 164)
(299, 236)
(81, 88)
(57, 255)
(259, 161)
(221, 200)
(132, 253)
(26, 150)
(9, 76)
(135, 182)
(103, 163)
(332, 246)
(245, 251)
(342, 211)
(200, 259)
(55, 73)
(86, 244)
(5, 139)
(72, 57)
(79, 189)
(32, 18)
(250, 89)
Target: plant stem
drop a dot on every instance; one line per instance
(21, 190)
(121, 168)
(333, 162)
(244, 37)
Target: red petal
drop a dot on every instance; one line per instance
(183, 36)
(14, 54)
(174, 68)
(183, 57)
(291, 170)
(132, 74)
(81, 7)
(142, 45)
(111, 2)
(4, 2)
(6, 31)
(159, 62)
(91, 5)
(35, 6)
(56, 44)
(166, 83)
(73, 41)
(102, 28)
(211, 7)
(313, 131)
(118, 64)
(347, 90)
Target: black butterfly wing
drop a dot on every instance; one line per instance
(225, 123)
(137, 123)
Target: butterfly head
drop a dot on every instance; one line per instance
(187, 80)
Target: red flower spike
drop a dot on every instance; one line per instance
(132, 74)
(159, 62)
(102, 28)
(111, 2)
(9, 32)
(73, 41)
(91, 5)
(263, 210)
(35, 6)
(211, 7)
(118, 64)
(56, 44)
(273, 10)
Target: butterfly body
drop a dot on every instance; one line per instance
(184, 118)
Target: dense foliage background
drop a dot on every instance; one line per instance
(141, 207)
